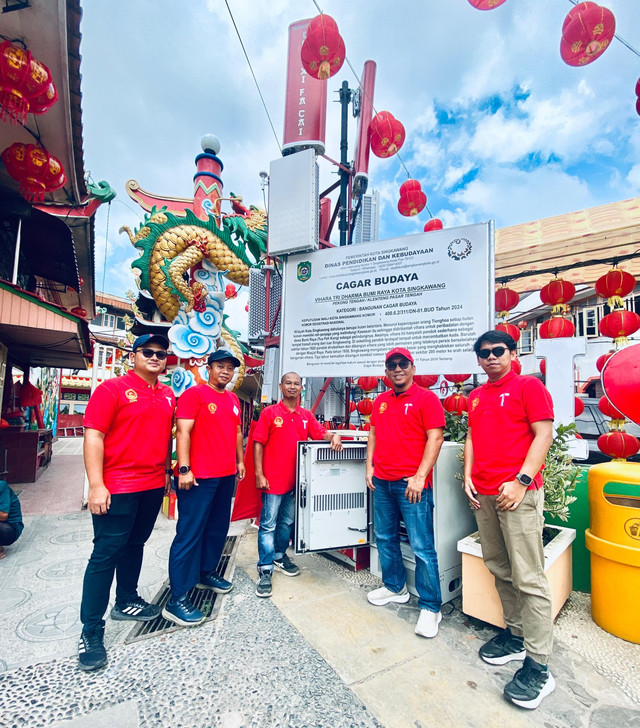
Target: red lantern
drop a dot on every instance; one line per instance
(557, 328)
(614, 286)
(586, 33)
(608, 410)
(425, 380)
(557, 292)
(365, 407)
(230, 291)
(433, 224)
(516, 366)
(327, 425)
(621, 381)
(522, 325)
(387, 134)
(543, 366)
(35, 169)
(387, 382)
(456, 404)
(412, 199)
(486, 4)
(25, 84)
(367, 383)
(322, 53)
(352, 406)
(457, 378)
(246, 308)
(506, 299)
(78, 311)
(578, 406)
(618, 444)
(511, 329)
(366, 427)
(619, 324)
(600, 362)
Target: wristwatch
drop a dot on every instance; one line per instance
(525, 479)
(184, 469)
(168, 471)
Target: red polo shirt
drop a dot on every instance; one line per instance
(500, 417)
(401, 422)
(280, 431)
(216, 418)
(136, 419)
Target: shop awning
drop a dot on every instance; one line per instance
(38, 333)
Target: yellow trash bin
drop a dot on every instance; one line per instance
(614, 543)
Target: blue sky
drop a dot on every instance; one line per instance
(498, 126)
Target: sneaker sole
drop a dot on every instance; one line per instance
(285, 572)
(176, 620)
(397, 598)
(215, 589)
(90, 668)
(121, 617)
(430, 635)
(504, 659)
(548, 688)
(263, 594)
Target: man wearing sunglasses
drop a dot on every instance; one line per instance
(127, 454)
(510, 432)
(404, 441)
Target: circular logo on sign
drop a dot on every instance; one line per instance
(131, 395)
(632, 528)
(459, 249)
(212, 408)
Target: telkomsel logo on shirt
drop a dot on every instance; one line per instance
(212, 408)
(383, 407)
(131, 395)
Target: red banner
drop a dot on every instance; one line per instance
(305, 109)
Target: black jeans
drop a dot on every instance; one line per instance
(8, 534)
(118, 544)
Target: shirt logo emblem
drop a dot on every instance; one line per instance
(212, 408)
(502, 398)
(278, 421)
(475, 403)
(169, 401)
(235, 410)
(131, 395)
(406, 407)
(383, 407)
(304, 424)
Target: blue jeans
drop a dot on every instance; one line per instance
(389, 506)
(276, 521)
(201, 530)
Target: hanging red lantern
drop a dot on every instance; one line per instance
(506, 299)
(246, 308)
(25, 84)
(619, 324)
(486, 4)
(456, 404)
(412, 199)
(230, 291)
(387, 134)
(522, 325)
(352, 406)
(387, 382)
(367, 383)
(587, 32)
(578, 406)
(457, 378)
(608, 410)
(425, 380)
(35, 169)
(433, 224)
(366, 427)
(516, 366)
(78, 311)
(557, 292)
(543, 366)
(511, 329)
(600, 362)
(618, 444)
(557, 328)
(322, 53)
(365, 407)
(614, 286)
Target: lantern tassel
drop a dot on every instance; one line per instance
(616, 425)
(621, 341)
(615, 302)
(559, 309)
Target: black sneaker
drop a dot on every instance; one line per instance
(503, 648)
(91, 652)
(286, 566)
(531, 683)
(138, 610)
(264, 584)
(183, 612)
(215, 583)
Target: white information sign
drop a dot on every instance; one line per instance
(432, 293)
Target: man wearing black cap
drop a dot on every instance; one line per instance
(127, 454)
(209, 448)
(404, 442)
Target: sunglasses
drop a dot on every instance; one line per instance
(148, 353)
(404, 364)
(497, 351)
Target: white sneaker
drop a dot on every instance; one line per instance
(428, 622)
(383, 596)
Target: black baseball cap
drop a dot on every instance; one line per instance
(150, 338)
(221, 354)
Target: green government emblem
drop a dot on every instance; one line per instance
(304, 271)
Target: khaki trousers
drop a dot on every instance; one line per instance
(512, 550)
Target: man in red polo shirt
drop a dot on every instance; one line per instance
(127, 454)
(275, 441)
(404, 441)
(510, 432)
(209, 449)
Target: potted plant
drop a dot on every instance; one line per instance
(479, 596)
